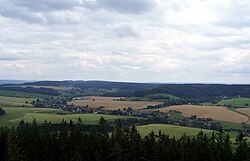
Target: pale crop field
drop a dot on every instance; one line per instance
(214, 112)
(112, 103)
(245, 111)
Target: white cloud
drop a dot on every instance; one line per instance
(139, 40)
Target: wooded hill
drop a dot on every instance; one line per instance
(123, 89)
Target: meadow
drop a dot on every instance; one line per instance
(237, 102)
(215, 112)
(15, 114)
(15, 101)
(178, 131)
(171, 130)
(112, 103)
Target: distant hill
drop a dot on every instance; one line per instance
(199, 90)
(126, 89)
(95, 84)
(12, 81)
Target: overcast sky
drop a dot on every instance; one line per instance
(126, 40)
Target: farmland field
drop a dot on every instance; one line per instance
(237, 102)
(16, 114)
(245, 111)
(178, 131)
(214, 112)
(232, 125)
(15, 102)
(171, 130)
(111, 103)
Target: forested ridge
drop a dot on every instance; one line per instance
(70, 142)
(126, 89)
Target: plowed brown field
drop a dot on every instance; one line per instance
(214, 112)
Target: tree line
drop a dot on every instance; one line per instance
(68, 142)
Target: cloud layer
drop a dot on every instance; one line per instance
(129, 40)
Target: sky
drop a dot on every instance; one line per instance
(205, 41)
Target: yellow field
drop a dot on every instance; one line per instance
(245, 111)
(111, 103)
(214, 112)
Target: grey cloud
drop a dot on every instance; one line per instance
(46, 5)
(10, 57)
(125, 31)
(10, 11)
(41, 12)
(236, 16)
(124, 6)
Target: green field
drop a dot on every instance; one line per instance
(19, 112)
(175, 115)
(151, 97)
(178, 131)
(15, 102)
(16, 114)
(171, 130)
(22, 94)
(237, 102)
(231, 125)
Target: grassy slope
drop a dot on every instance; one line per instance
(19, 112)
(170, 130)
(231, 125)
(14, 102)
(178, 131)
(238, 102)
(55, 118)
(16, 114)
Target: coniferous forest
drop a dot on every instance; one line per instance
(72, 142)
